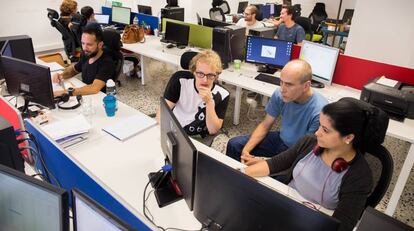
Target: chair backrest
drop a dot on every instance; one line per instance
(217, 14)
(78, 23)
(112, 46)
(318, 15)
(186, 59)
(68, 38)
(382, 167)
(225, 7)
(305, 23)
(297, 9)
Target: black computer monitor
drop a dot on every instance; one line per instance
(242, 6)
(226, 199)
(30, 80)
(177, 33)
(179, 151)
(214, 23)
(19, 46)
(89, 215)
(30, 204)
(265, 11)
(121, 15)
(375, 220)
(322, 59)
(273, 53)
(144, 9)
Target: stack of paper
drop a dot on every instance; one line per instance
(130, 126)
(67, 129)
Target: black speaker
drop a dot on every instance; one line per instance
(20, 47)
(9, 150)
(229, 42)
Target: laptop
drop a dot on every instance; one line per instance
(375, 220)
(102, 19)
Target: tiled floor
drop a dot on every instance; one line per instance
(146, 99)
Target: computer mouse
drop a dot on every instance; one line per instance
(169, 46)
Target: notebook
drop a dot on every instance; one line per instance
(128, 127)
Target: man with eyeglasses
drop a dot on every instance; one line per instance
(197, 101)
(249, 21)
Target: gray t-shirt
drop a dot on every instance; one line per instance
(295, 34)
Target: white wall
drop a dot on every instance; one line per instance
(331, 6)
(383, 32)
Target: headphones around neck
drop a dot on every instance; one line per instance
(338, 165)
(65, 98)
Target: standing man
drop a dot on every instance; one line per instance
(297, 104)
(96, 66)
(249, 21)
(288, 29)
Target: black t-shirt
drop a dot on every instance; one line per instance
(102, 69)
(190, 109)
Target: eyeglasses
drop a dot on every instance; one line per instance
(246, 13)
(201, 75)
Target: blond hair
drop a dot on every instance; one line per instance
(209, 57)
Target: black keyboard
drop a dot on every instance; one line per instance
(268, 79)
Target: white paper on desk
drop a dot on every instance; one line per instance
(130, 126)
(67, 127)
(54, 66)
(387, 82)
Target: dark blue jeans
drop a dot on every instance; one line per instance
(271, 145)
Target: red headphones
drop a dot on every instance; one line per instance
(338, 165)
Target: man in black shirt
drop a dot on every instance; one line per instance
(96, 66)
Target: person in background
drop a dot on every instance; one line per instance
(287, 28)
(96, 66)
(67, 9)
(196, 100)
(249, 21)
(89, 14)
(328, 168)
(297, 105)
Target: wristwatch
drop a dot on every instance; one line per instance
(71, 90)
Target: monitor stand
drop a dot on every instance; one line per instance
(26, 112)
(166, 189)
(266, 69)
(317, 84)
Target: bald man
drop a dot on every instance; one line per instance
(297, 104)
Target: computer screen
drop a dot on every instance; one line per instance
(19, 46)
(6, 50)
(322, 60)
(31, 80)
(179, 151)
(121, 15)
(89, 215)
(214, 23)
(102, 19)
(30, 204)
(177, 33)
(226, 198)
(242, 6)
(268, 51)
(265, 11)
(144, 9)
(373, 219)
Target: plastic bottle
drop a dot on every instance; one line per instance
(110, 87)
(135, 21)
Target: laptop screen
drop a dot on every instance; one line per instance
(102, 18)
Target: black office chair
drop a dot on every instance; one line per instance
(69, 40)
(297, 10)
(112, 46)
(223, 5)
(305, 23)
(317, 16)
(78, 23)
(217, 14)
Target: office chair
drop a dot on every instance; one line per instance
(305, 23)
(217, 13)
(112, 46)
(297, 9)
(78, 23)
(69, 40)
(378, 157)
(223, 5)
(318, 15)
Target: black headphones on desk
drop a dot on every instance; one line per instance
(65, 98)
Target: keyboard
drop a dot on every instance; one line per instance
(268, 79)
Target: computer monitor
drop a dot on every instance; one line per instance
(121, 15)
(265, 11)
(102, 19)
(19, 46)
(214, 23)
(177, 33)
(242, 6)
(322, 60)
(273, 53)
(30, 204)
(179, 151)
(226, 199)
(373, 219)
(144, 9)
(89, 215)
(30, 80)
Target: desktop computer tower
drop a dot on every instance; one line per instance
(20, 47)
(9, 151)
(265, 32)
(229, 42)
